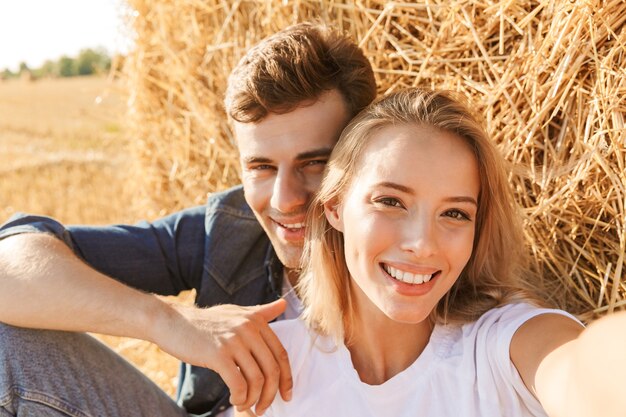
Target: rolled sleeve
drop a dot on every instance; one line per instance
(23, 223)
(163, 257)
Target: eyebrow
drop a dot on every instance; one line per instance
(316, 153)
(409, 190)
(462, 199)
(395, 186)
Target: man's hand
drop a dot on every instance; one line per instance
(44, 285)
(237, 343)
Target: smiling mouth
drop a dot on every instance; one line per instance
(291, 226)
(407, 277)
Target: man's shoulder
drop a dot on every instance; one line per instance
(231, 201)
(228, 215)
(236, 245)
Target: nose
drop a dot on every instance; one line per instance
(289, 193)
(421, 237)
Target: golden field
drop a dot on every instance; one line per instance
(62, 150)
(64, 153)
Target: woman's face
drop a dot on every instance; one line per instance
(408, 220)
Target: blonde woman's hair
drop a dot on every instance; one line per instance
(490, 277)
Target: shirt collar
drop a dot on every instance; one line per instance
(274, 271)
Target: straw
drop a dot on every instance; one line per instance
(548, 77)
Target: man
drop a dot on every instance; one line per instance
(288, 99)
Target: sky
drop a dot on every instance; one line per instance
(33, 31)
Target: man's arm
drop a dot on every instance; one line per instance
(45, 285)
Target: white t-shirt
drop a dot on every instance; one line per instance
(294, 305)
(464, 371)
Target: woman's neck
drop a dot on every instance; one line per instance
(381, 348)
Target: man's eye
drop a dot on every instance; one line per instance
(260, 167)
(457, 214)
(315, 162)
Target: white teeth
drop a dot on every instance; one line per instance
(407, 277)
(293, 226)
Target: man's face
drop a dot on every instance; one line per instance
(282, 159)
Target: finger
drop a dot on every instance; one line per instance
(271, 310)
(285, 382)
(234, 379)
(271, 373)
(253, 376)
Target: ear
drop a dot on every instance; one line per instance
(333, 211)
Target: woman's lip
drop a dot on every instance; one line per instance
(404, 288)
(411, 269)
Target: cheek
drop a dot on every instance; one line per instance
(462, 245)
(366, 237)
(257, 193)
(313, 181)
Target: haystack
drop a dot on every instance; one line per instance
(549, 77)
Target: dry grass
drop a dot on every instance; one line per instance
(549, 77)
(60, 143)
(64, 153)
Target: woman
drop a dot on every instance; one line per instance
(413, 303)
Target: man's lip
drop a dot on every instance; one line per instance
(292, 235)
(290, 222)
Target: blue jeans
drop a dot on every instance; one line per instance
(52, 373)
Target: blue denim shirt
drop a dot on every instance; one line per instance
(218, 249)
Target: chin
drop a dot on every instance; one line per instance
(408, 317)
(290, 256)
(411, 320)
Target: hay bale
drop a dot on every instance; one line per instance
(548, 77)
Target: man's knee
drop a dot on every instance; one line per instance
(22, 346)
(20, 402)
(11, 337)
(24, 378)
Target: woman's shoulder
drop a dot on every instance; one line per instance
(491, 334)
(512, 316)
(291, 330)
(479, 352)
(297, 339)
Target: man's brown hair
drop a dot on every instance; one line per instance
(297, 65)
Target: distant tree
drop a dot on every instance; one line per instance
(7, 73)
(23, 67)
(92, 61)
(89, 61)
(66, 66)
(25, 73)
(48, 69)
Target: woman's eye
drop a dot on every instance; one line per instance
(457, 214)
(389, 201)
